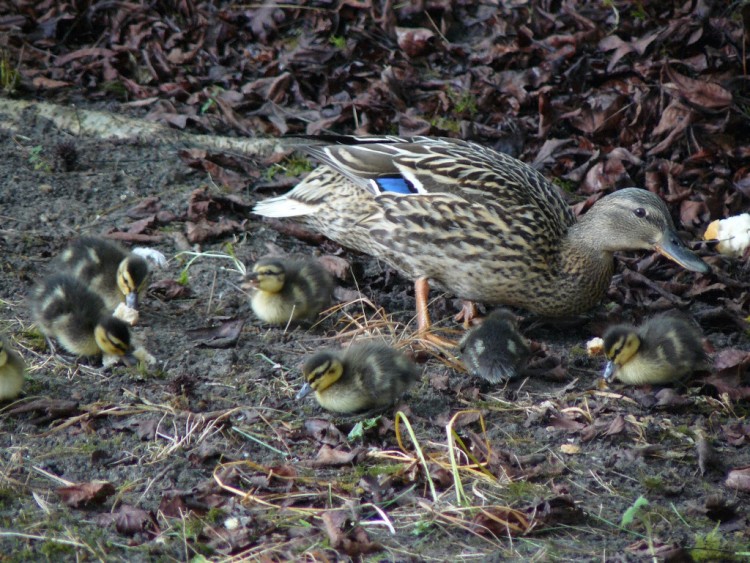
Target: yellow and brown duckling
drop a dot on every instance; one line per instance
(12, 370)
(107, 269)
(664, 349)
(288, 289)
(495, 350)
(67, 310)
(363, 377)
(474, 222)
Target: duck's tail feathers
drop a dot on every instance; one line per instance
(283, 206)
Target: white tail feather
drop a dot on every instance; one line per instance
(283, 207)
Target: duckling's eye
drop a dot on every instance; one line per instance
(640, 212)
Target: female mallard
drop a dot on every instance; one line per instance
(478, 223)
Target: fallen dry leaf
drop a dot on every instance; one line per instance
(335, 456)
(86, 494)
(346, 538)
(224, 335)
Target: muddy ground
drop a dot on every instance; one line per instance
(183, 441)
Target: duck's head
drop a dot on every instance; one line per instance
(621, 343)
(321, 371)
(131, 278)
(112, 335)
(266, 275)
(633, 218)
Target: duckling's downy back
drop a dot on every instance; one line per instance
(106, 268)
(495, 350)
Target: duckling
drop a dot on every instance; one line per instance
(12, 369)
(66, 309)
(107, 268)
(494, 350)
(662, 350)
(364, 377)
(289, 289)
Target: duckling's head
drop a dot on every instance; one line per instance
(131, 278)
(621, 343)
(267, 275)
(112, 335)
(3, 353)
(633, 218)
(321, 371)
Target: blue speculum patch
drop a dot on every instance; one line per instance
(395, 184)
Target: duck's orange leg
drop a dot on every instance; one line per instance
(424, 324)
(467, 314)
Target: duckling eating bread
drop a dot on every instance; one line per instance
(662, 350)
(107, 269)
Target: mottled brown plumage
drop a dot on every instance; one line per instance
(477, 223)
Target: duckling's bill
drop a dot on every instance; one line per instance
(609, 371)
(672, 247)
(304, 392)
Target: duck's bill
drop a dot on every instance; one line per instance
(609, 371)
(131, 300)
(304, 392)
(672, 247)
(129, 359)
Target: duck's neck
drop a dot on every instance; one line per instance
(584, 271)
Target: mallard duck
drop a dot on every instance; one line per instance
(12, 369)
(106, 268)
(477, 223)
(363, 377)
(494, 350)
(662, 350)
(288, 289)
(67, 310)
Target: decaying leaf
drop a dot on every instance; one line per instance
(224, 335)
(324, 431)
(89, 494)
(345, 537)
(335, 456)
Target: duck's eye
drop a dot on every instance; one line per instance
(640, 212)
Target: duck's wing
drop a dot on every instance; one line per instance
(465, 170)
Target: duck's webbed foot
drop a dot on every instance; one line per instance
(424, 324)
